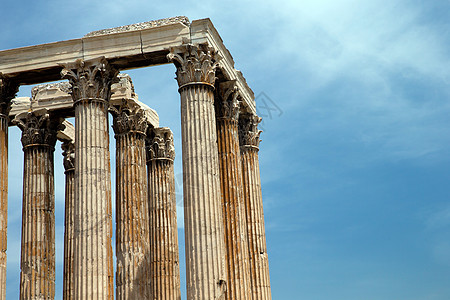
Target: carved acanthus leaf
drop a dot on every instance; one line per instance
(160, 144)
(68, 148)
(38, 128)
(128, 117)
(194, 63)
(248, 131)
(8, 90)
(227, 102)
(90, 79)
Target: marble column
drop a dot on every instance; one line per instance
(68, 148)
(93, 276)
(259, 262)
(227, 114)
(205, 252)
(132, 227)
(8, 91)
(37, 262)
(164, 257)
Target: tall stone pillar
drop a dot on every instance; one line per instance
(37, 263)
(227, 112)
(132, 229)
(93, 257)
(164, 257)
(205, 251)
(68, 148)
(8, 91)
(259, 262)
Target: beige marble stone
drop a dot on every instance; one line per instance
(237, 255)
(204, 234)
(68, 148)
(215, 239)
(55, 98)
(93, 258)
(164, 257)
(37, 263)
(8, 90)
(259, 261)
(131, 46)
(132, 219)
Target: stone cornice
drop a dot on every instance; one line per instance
(248, 132)
(90, 79)
(160, 144)
(68, 148)
(141, 26)
(128, 117)
(196, 64)
(227, 102)
(8, 90)
(38, 129)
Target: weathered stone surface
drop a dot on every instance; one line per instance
(259, 262)
(128, 47)
(8, 90)
(141, 26)
(68, 148)
(37, 265)
(201, 58)
(164, 257)
(205, 251)
(90, 79)
(132, 220)
(195, 64)
(237, 255)
(55, 98)
(93, 261)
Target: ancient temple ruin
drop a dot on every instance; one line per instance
(226, 255)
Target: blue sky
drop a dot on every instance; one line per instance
(355, 158)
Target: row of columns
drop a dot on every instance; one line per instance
(226, 255)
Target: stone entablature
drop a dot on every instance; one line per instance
(130, 47)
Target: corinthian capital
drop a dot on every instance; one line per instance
(128, 117)
(160, 144)
(68, 148)
(196, 64)
(8, 90)
(90, 79)
(38, 128)
(248, 131)
(227, 102)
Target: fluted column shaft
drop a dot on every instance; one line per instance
(3, 201)
(37, 262)
(259, 262)
(227, 111)
(7, 92)
(93, 276)
(205, 251)
(132, 227)
(69, 166)
(164, 257)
